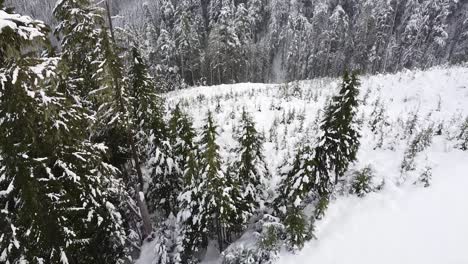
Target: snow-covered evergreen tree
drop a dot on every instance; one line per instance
(166, 175)
(339, 143)
(462, 136)
(109, 101)
(182, 136)
(312, 170)
(250, 168)
(146, 105)
(224, 46)
(91, 72)
(188, 41)
(218, 209)
(81, 27)
(300, 178)
(190, 206)
(167, 242)
(243, 29)
(167, 70)
(56, 193)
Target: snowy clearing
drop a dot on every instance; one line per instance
(403, 223)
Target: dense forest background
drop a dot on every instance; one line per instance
(215, 41)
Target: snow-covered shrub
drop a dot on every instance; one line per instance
(284, 92)
(271, 233)
(366, 96)
(425, 177)
(273, 132)
(462, 137)
(411, 123)
(239, 255)
(361, 183)
(167, 241)
(421, 141)
(296, 90)
(378, 123)
(291, 116)
(243, 255)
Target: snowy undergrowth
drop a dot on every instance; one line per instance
(410, 125)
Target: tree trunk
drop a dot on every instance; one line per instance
(182, 70)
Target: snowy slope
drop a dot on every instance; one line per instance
(403, 223)
(398, 225)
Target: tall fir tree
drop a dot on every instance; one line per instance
(225, 44)
(146, 105)
(91, 72)
(56, 192)
(211, 206)
(339, 143)
(300, 178)
(82, 24)
(316, 171)
(81, 28)
(182, 137)
(184, 141)
(190, 208)
(188, 41)
(250, 169)
(216, 189)
(166, 176)
(167, 70)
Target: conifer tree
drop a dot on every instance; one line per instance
(167, 70)
(190, 206)
(91, 72)
(218, 208)
(225, 44)
(250, 168)
(297, 228)
(56, 193)
(186, 154)
(166, 182)
(299, 180)
(312, 169)
(182, 136)
(168, 243)
(146, 105)
(339, 142)
(243, 29)
(166, 151)
(82, 25)
(462, 136)
(188, 40)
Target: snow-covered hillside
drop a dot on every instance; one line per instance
(402, 223)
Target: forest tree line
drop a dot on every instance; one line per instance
(227, 41)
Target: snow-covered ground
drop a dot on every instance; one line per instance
(404, 222)
(398, 225)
